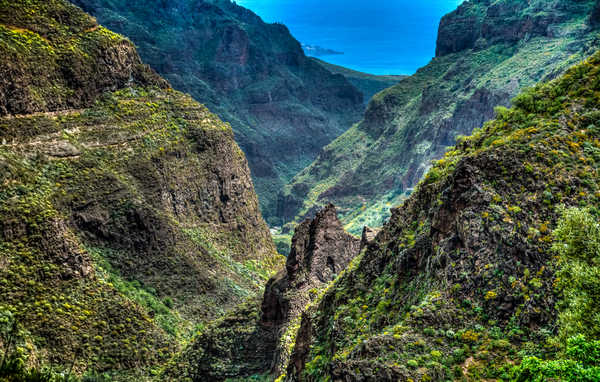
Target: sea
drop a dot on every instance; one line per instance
(375, 36)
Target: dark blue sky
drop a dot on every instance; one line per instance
(376, 36)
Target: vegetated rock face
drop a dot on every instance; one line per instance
(321, 249)
(460, 282)
(254, 338)
(127, 210)
(35, 77)
(283, 106)
(481, 23)
(487, 52)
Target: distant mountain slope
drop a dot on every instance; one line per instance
(127, 212)
(283, 106)
(368, 84)
(462, 282)
(487, 52)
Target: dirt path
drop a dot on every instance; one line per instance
(43, 114)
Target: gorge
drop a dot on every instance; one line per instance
(133, 245)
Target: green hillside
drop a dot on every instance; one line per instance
(128, 216)
(368, 84)
(490, 263)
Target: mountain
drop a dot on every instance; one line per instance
(487, 51)
(488, 271)
(128, 215)
(283, 106)
(491, 263)
(368, 84)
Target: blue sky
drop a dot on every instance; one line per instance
(376, 36)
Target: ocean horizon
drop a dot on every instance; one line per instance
(390, 37)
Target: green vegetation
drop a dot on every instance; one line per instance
(103, 164)
(283, 243)
(581, 364)
(577, 245)
(55, 50)
(233, 345)
(162, 310)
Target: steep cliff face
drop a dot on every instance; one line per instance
(487, 52)
(283, 106)
(127, 210)
(255, 338)
(321, 249)
(479, 24)
(460, 283)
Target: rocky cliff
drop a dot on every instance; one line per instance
(487, 52)
(128, 215)
(255, 338)
(283, 106)
(461, 282)
(482, 23)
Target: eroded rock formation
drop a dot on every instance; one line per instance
(255, 338)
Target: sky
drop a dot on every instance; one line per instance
(376, 36)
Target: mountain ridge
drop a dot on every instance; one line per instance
(461, 283)
(254, 75)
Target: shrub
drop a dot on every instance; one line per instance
(577, 244)
(580, 364)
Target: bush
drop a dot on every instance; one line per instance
(580, 364)
(577, 244)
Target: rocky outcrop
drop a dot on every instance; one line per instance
(368, 236)
(254, 75)
(321, 249)
(256, 337)
(479, 24)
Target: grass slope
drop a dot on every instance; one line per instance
(368, 84)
